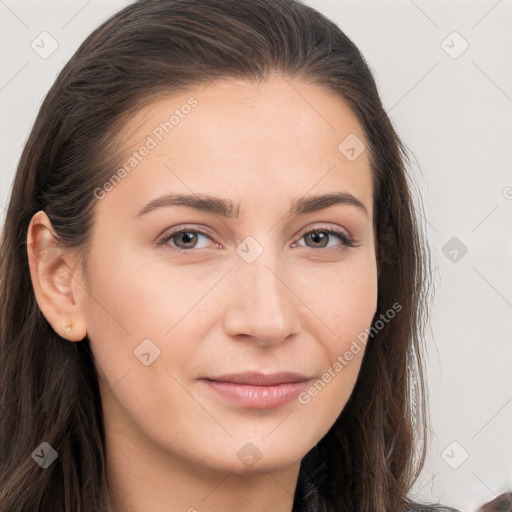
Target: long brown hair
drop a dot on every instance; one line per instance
(375, 451)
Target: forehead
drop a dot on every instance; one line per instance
(229, 134)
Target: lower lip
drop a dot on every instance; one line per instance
(258, 397)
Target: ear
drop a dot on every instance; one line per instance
(55, 272)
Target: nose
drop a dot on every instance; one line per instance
(263, 307)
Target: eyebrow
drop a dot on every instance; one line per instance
(225, 207)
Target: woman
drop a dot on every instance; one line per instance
(167, 342)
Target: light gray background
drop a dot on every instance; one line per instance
(454, 114)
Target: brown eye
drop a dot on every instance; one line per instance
(318, 238)
(321, 238)
(186, 239)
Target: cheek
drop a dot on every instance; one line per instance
(347, 299)
(344, 296)
(355, 307)
(133, 301)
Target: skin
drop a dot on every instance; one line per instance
(171, 441)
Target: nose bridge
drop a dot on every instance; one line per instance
(263, 306)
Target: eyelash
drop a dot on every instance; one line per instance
(345, 239)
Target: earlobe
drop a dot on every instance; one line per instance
(54, 272)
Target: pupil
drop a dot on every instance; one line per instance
(187, 237)
(319, 237)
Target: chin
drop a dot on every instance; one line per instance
(262, 456)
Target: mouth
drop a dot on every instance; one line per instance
(258, 391)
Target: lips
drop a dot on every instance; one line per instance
(258, 391)
(259, 379)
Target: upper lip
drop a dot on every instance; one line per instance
(260, 379)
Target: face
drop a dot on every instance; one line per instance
(214, 312)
